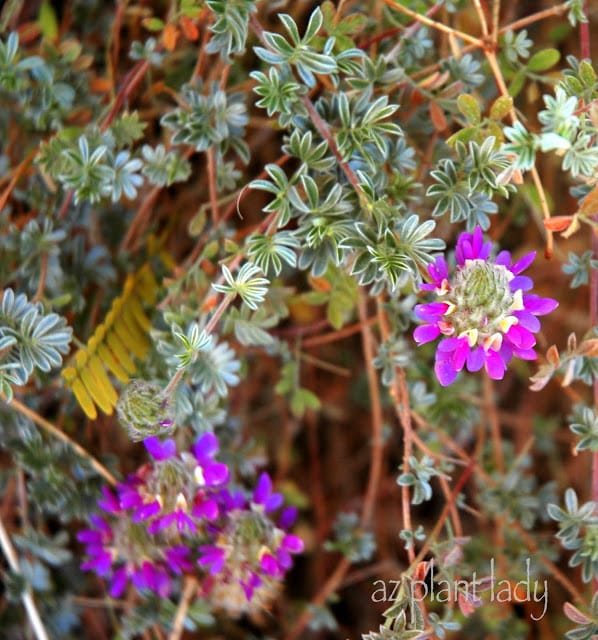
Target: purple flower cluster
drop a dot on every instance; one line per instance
(177, 514)
(241, 559)
(484, 313)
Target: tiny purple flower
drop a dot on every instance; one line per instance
(484, 317)
(212, 557)
(160, 450)
(250, 585)
(263, 496)
(208, 472)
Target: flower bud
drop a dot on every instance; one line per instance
(144, 411)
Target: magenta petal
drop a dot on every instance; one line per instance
(520, 337)
(521, 282)
(539, 306)
(525, 354)
(119, 582)
(523, 263)
(494, 365)
(527, 320)
(262, 489)
(426, 333)
(284, 559)
(439, 270)
(475, 359)
(109, 503)
(287, 518)
(506, 352)
(206, 446)
(90, 536)
(99, 523)
(215, 474)
(445, 372)
(476, 241)
(207, 509)
(292, 543)
(269, 565)
(449, 344)
(460, 355)
(146, 511)
(503, 258)
(273, 501)
(160, 450)
(430, 312)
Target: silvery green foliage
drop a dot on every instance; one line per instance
(351, 539)
(29, 339)
(585, 425)
(230, 27)
(43, 90)
(565, 131)
(464, 186)
(299, 51)
(248, 284)
(578, 531)
(418, 478)
(392, 353)
(163, 168)
(193, 341)
(95, 167)
(382, 249)
(215, 118)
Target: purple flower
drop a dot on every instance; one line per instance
(101, 543)
(263, 496)
(212, 557)
(483, 316)
(177, 559)
(250, 585)
(208, 472)
(160, 450)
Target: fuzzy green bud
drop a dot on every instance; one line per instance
(144, 411)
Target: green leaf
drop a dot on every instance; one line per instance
(463, 135)
(153, 24)
(586, 73)
(302, 400)
(501, 107)
(517, 83)
(47, 21)
(543, 60)
(469, 107)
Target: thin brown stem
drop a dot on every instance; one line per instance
(16, 175)
(341, 334)
(495, 21)
(27, 596)
(377, 443)
(481, 17)
(42, 278)
(213, 190)
(443, 516)
(534, 17)
(439, 26)
(178, 623)
(490, 407)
